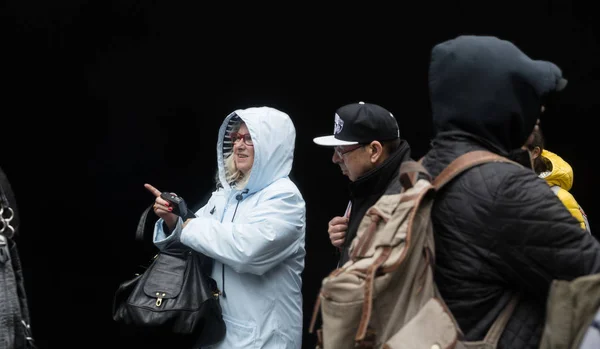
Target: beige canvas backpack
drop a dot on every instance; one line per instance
(571, 309)
(385, 295)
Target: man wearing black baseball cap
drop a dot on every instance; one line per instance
(367, 147)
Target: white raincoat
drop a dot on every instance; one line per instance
(256, 238)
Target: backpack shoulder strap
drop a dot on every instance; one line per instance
(409, 173)
(465, 162)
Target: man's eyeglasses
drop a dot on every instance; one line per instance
(245, 136)
(341, 150)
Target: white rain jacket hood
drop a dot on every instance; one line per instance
(256, 237)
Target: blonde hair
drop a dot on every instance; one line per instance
(233, 176)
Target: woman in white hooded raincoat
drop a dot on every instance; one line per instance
(253, 226)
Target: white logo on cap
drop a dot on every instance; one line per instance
(339, 124)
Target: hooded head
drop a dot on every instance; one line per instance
(273, 140)
(489, 88)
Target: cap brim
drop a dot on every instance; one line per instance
(331, 141)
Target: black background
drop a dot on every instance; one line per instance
(101, 97)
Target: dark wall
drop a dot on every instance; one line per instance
(101, 97)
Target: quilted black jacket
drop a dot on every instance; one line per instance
(499, 229)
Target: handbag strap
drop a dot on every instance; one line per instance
(141, 228)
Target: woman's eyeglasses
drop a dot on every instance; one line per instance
(235, 136)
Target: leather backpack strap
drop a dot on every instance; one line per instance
(409, 173)
(465, 162)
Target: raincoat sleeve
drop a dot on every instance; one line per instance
(161, 239)
(271, 231)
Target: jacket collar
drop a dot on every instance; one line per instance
(377, 179)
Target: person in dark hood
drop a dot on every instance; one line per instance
(499, 229)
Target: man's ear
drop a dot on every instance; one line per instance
(375, 151)
(536, 152)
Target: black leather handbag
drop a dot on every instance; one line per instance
(173, 298)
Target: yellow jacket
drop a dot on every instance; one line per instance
(560, 180)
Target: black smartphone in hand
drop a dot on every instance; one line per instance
(178, 204)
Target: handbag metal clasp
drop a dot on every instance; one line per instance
(159, 298)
